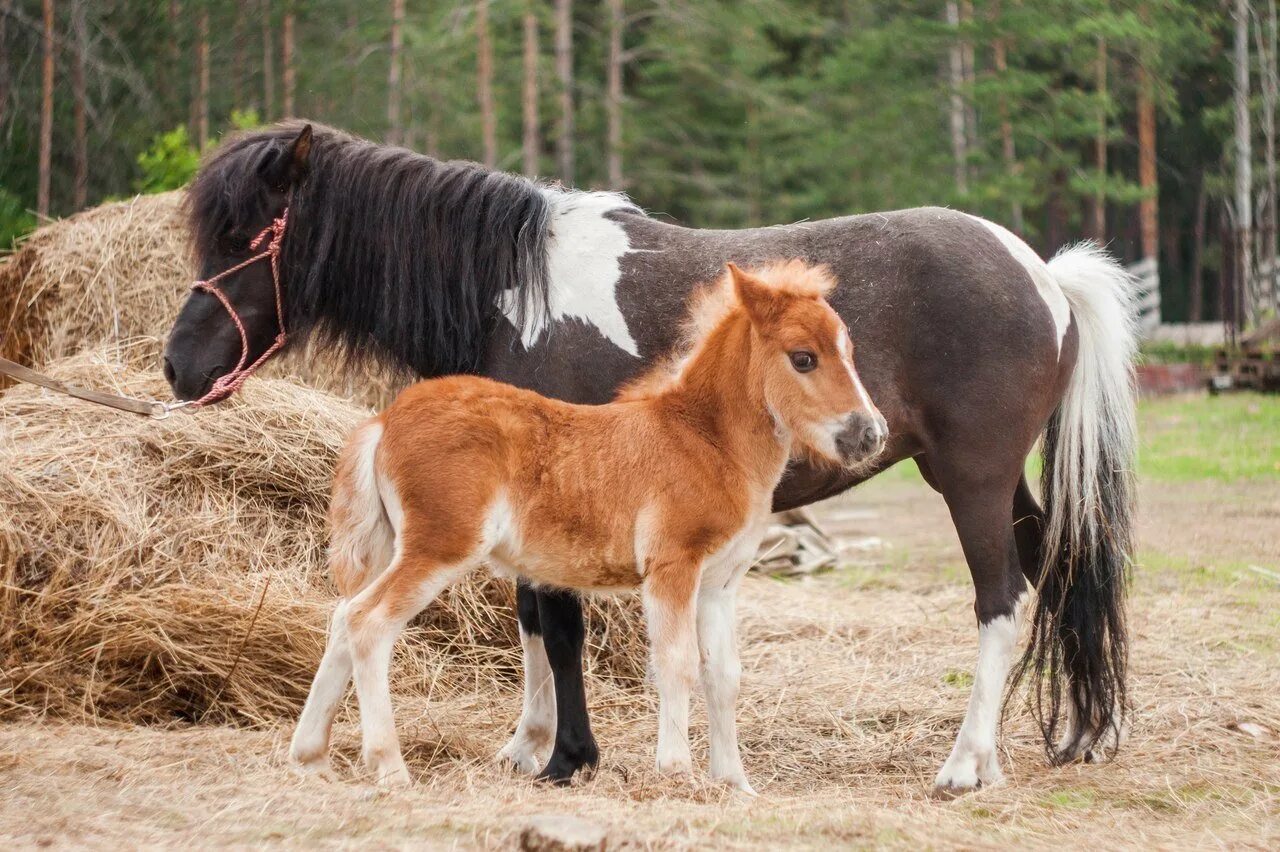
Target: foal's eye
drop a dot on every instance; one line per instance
(803, 360)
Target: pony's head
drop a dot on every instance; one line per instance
(806, 361)
(237, 194)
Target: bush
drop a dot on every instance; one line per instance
(169, 162)
(15, 219)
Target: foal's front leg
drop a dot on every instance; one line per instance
(721, 674)
(669, 591)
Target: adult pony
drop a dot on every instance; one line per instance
(970, 345)
(667, 490)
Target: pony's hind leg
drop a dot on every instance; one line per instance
(375, 618)
(983, 514)
(309, 750)
(668, 592)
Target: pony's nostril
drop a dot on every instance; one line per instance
(168, 370)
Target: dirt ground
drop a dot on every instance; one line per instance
(854, 684)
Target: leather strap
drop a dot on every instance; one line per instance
(145, 407)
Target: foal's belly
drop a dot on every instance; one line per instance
(586, 570)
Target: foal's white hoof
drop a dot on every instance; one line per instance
(740, 785)
(316, 767)
(521, 757)
(391, 779)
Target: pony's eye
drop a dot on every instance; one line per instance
(235, 242)
(803, 360)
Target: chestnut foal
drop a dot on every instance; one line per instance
(667, 488)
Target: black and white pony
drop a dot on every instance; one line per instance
(971, 346)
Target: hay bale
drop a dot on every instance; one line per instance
(153, 571)
(112, 279)
(106, 275)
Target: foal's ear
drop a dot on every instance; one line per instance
(755, 296)
(293, 165)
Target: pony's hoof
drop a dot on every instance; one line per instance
(565, 763)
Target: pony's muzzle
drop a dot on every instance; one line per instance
(863, 438)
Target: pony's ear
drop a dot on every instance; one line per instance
(759, 300)
(293, 165)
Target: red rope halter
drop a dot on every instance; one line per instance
(226, 385)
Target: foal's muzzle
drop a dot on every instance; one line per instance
(862, 438)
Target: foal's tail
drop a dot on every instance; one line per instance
(362, 539)
(1079, 643)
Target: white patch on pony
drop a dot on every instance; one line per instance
(974, 760)
(584, 250)
(1045, 283)
(530, 746)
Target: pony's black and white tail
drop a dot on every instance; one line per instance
(1079, 644)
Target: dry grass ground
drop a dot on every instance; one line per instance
(854, 684)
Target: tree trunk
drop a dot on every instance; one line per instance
(1008, 153)
(287, 69)
(613, 96)
(395, 129)
(969, 76)
(237, 62)
(169, 81)
(484, 85)
(1244, 164)
(564, 70)
(202, 79)
(6, 6)
(45, 172)
(1271, 92)
(1098, 213)
(81, 33)
(1196, 295)
(268, 69)
(959, 135)
(532, 144)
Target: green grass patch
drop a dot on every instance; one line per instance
(1225, 438)
(1070, 799)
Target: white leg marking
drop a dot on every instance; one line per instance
(310, 746)
(721, 675)
(584, 251)
(973, 759)
(371, 641)
(530, 746)
(673, 636)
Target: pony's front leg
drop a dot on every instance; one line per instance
(530, 746)
(669, 592)
(309, 750)
(374, 620)
(721, 674)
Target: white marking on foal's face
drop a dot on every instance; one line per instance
(1040, 275)
(584, 251)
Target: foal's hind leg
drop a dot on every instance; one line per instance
(309, 750)
(982, 508)
(374, 620)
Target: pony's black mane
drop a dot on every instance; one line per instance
(394, 256)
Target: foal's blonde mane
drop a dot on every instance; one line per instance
(713, 304)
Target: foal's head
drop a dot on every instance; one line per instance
(805, 357)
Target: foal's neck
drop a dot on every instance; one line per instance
(721, 391)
